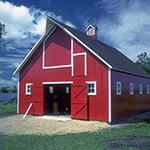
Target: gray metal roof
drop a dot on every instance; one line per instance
(110, 55)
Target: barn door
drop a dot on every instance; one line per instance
(79, 106)
(38, 108)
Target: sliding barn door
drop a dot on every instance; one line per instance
(38, 108)
(79, 107)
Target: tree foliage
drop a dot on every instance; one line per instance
(2, 30)
(144, 61)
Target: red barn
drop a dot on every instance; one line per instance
(67, 70)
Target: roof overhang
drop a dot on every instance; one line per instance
(50, 24)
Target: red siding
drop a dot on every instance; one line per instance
(32, 72)
(126, 104)
(57, 51)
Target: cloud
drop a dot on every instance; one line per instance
(10, 62)
(124, 25)
(22, 21)
(10, 83)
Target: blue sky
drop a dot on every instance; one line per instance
(124, 24)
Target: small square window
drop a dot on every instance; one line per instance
(91, 88)
(118, 88)
(131, 89)
(147, 89)
(51, 90)
(140, 89)
(28, 88)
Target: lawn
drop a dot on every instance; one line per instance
(131, 137)
(9, 108)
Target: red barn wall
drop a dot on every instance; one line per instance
(32, 72)
(125, 104)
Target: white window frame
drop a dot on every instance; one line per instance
(147, 89)
(30, 91)
(118, 84)
(131, 88)
(140, 89)
(95, 89)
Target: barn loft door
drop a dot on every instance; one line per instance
(79, 106)
(37, 93)
(79, 64)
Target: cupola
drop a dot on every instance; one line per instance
(92, 31)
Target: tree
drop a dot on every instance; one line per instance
(4, 89)
(144, 62)
(2, 30)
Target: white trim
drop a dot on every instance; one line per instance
(62, 82)
(29, 54)
(44, 47)
(118, 93)
(85, 61)
(95, 88)
(27, 110)
(51, 67)
(54, 67)
(87, 47)
(109, 96)
(131, 89)
(28, 93)
(72, 55)
(18, 98)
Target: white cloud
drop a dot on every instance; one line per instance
(10, 83)
(14, 79)
(10, 62)
(131, 33)
(21, 21)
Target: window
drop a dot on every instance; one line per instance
(147, 89)
(28, 88)
(91, 31)
(118, 88)
(51, 90)
(91, 88)
(140, 89)
(67, 89)
(131, 89)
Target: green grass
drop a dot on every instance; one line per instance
(131, 137)
(9, 108)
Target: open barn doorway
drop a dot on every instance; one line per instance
(57, 99)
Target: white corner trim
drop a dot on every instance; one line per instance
(18, 98)
(109, 94)
(59, 82)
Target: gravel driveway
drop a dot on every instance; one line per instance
(15, 124)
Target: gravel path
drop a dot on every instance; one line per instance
(15, 124)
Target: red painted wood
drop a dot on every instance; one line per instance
(57, 51)
(79, 66)
(125, 105)
(79, 101)
(32, 72)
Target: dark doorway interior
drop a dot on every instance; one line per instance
(57, 99)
